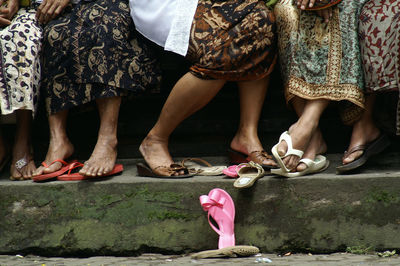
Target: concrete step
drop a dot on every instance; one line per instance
(127, 214)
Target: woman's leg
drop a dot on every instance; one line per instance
(189, 95)
(104, 154)
(301, 132)
(364, 130)
(22, 149)
(59, 147)
(317, 143)
(252, 95)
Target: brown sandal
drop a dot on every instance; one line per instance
(237, 157)
(369, 149)
(145, 170)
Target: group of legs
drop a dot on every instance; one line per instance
(311, 89)
(195, 89)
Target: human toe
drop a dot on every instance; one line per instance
(352, 157)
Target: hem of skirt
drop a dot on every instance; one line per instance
(295, 85)
(11, 111)
(389, 86)
(70, 104)
(207, 74)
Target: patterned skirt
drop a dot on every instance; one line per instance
(379, 31)
(322, 60)
(92, 51)
(20, 45)
(232, 40)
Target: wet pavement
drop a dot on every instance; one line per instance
(157, 259)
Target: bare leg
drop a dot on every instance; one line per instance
(364, 130)
(317, 143)
(302, 131)
(22, 146)
(104, 155)
(252, 95)
(59, 147)
(189, 95)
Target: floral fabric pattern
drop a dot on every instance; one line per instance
(20, 46)
(379, 31)
(92, 51)
(232, 40)
(322, 60)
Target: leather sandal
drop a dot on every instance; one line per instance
(237, 157)
(201, 167)
(145, 171)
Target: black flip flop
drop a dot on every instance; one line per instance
(370, 149)
(145, 171)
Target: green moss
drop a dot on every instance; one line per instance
(360, 250)
(164, 215)
(383, 196)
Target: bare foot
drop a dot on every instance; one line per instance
(363, 132)
(249, 144)
(102, 160)
(301, 136)
(22, 165)
(155, 152)
(316, 146)
(59, 148)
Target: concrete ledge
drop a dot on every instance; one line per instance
(128, 214)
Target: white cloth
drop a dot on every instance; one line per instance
(165, 22)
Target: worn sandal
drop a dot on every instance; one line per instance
(145, 170)
(319, 164)
(290, 151)
(46, 177)
(237, 157)
(118, 168)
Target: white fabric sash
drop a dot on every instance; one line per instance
(165, 22)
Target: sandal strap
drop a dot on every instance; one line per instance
(251, 164)
(290, 150)
(259, 154)
(199, 160)
(354, 149)
(55, 161)
(74, 165)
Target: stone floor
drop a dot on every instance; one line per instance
(157, 259)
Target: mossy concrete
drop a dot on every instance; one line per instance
(128, 214)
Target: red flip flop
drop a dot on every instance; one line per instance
(47, 177)
(118, 168)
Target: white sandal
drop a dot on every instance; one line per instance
(319, 164)
(248, 174)
(290, 151)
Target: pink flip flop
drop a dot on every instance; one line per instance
(221, 208)
(231, 171)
